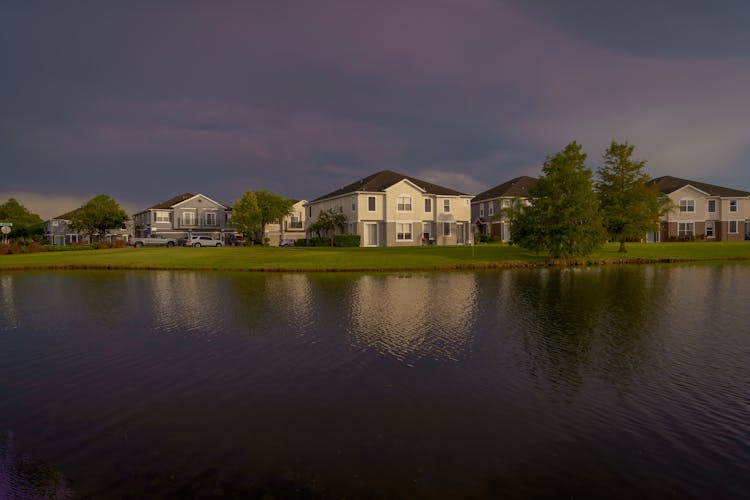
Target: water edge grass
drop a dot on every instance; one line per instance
(319, 259)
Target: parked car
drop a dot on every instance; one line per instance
(286, 243)
(154, 240)
(202, 241)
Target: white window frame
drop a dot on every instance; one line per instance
(428, 205)
(481, 209)
(371, 204)
(401, 203)
(687, 205)
(709, 207)
(491, 209)
(734, 206)
(448, 226)
(710, 229)
(401, 231)
(683, 231)
(192, 216)
(736, 227)
(161, 216)
(428, 226)
(506, 203)
(215, 219)
(447, 205)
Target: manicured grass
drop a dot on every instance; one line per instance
(361, 259)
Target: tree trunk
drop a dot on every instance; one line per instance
(622, 248)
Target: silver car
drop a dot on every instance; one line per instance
(202, 241)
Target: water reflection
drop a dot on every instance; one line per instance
(187, 302)
(7, 296)
(415, 316)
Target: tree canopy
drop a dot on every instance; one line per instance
(328, 221)
(629, 206)
(256, 209)
(25, 223)
(563, 218)
(98, 215)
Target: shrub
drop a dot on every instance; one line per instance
(346, 240)
(301, 242)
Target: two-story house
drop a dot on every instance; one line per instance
(489, 209)
(392, 209)
(290, 228)
(703, 211)
(184, 216)
(57, 231)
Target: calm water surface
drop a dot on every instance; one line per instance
(624, 382)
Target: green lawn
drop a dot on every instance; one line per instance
(356, 259)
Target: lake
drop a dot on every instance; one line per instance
(616, 382)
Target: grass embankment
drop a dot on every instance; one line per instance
(363, 259)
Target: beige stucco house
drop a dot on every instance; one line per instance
(392, 209)
(703, 211)
(290, 228)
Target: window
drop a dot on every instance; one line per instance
(403, 203)
(506, 203)
(687, 205)
(353, 229)
(403, 231)
(732, 205)
(188, 218)
(492, 209)
(371, 203)
(481, 209)
(162, 217)
(428, 205)
(426, 231)
(685, 229)
(711, 206)
(733, 227)
(309, 212)
(710, 233)
(446, 205)
(211, 218)
(446, 228)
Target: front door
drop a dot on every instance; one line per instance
(371, 234)
(460, 233)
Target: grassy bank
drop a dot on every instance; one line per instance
(362, 259)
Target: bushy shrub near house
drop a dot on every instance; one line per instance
(346, 240)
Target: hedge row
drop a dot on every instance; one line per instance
(340, 240)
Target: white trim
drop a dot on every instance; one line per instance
(196, 196)
(410, 233)
(411, 203)
(736, 226)
(687, 205)
(713, 229)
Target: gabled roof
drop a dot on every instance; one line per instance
(67, 215)
(668, 184)
(172, 201)
(380, 181)
(518, 187)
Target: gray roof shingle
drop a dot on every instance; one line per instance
(384, 179)
(518, 187)
(668, 184)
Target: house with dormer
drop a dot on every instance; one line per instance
(489, 209)
(392, 209)
(702, 211)
(184, 216)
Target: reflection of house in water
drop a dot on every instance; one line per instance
(290, 297)
(187, 301)
(415, 316)
(7, 295)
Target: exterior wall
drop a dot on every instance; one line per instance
(172, 222)
(497, 224)
(292, 227)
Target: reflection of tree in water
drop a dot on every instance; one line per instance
(580, 322)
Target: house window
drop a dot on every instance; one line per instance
(710, 229)
(687, 205)
(506, 203)
(732, 205)
(309, 212)
(426, 231)
(403, 203)
(211, 218)
(371, 203)
(403, 231)
(733, 227)
(428, 205)
(491, 209)
(446, 205)
(481, 209)
(685, 229)
(162, 217)
(711, 206)
(295, 222)
(354, 207)
(353, 229)
(188, 218)
(446, 228)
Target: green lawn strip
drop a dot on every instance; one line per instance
(363, 259)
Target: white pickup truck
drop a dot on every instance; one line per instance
(154, 240)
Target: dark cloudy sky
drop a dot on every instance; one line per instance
(144, 100)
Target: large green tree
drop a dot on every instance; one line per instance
(256, 209)
(629, 206)
(328, 221)
(98, 215)
(25, 223)
(563, 218)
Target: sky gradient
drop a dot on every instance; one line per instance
(146, 100)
